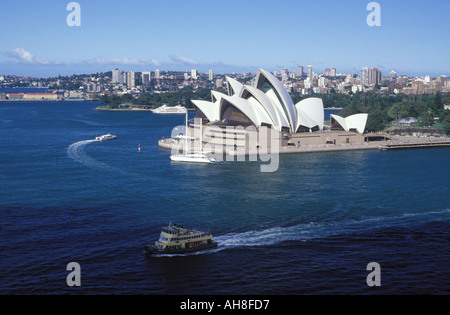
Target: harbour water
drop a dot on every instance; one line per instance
(311, 227)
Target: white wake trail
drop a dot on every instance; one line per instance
(314, 230)
(76, 152)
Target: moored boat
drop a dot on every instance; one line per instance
(178, 240)
(170, 110)
(193, 157)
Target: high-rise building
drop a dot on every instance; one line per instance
(146, 77)
(194, 74)
(365, 75)
(310, 72)
(333, 72)
(299, 72)
(322, 82)
(284, 74)
(131, 79)
(219, 82)
(157, 74)
(211, 75)
(377, 76)
(371, 76)
(116, 76)
(308, 83)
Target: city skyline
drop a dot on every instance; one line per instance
(225, 37)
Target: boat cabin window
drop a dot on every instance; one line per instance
(169, 231)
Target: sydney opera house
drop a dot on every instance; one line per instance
(236, 119)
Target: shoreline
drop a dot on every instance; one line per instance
(133, 109)
(122, 109)
(68, 101)
(401, 143)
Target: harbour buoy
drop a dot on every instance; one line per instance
(139, 148)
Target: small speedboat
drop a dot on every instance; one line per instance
(106, 137)
(178, 240)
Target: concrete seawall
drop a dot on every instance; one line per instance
(418, 145)
(401, 142)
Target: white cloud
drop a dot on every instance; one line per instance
(122, 61)
(116, 61)
(185, 60)
(155, 62)
(25, 56)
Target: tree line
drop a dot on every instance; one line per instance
(386, 109)
(153, 100)
(383, 109)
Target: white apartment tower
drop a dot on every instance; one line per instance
(194, 74)
(116, 76)
(131, 79)
(310, 72)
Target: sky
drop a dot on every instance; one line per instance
(225, 36)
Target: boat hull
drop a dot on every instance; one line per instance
(106, 138)
(191, 159)
(152, 250)
(170, 110)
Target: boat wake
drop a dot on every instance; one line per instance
(273, 236)
(76, 152)
(310, 231)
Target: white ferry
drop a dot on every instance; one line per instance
(178, 240)
(170, 110)
(106, 137)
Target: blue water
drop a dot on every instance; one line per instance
(312, 227)
(23, 90)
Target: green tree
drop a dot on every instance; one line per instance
(397, 111)
(438, 102)
(376, 121)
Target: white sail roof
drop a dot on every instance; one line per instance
(211, 110)
(234, 86)
(255, 113)
(216, 96)
(355, 122)
(278, 95)
(269, 103)
(310, 113)
(254, 95)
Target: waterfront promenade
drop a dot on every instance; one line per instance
(396, 142)
(410, 142)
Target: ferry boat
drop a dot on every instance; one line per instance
(170, 110)
(106, 137)
(178, 240)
